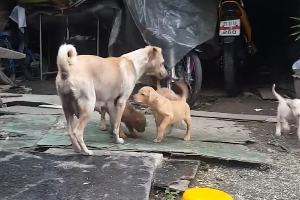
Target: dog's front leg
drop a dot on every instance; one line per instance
(161, 129)
(132, 132)
(115, 113)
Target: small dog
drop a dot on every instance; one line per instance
(294, 105)
(133, 120)
(165, 111)
(86, 83)
(284, 113)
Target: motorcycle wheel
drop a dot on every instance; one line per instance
(196, 75)
(196, 72)
(230, 67)
(33, 73)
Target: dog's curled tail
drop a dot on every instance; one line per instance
(67, 55)
(184, 89)
(280, 98)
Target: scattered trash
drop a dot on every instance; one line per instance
(85, 183)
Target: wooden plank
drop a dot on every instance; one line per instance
(14, 110)
(239, 117)
(7, 53)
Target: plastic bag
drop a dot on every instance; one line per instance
(177, 26)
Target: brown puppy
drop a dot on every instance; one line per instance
(85, 83)
(133, 119)
(165, 111)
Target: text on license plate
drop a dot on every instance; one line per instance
(230, 28)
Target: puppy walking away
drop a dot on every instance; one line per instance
(284, 113)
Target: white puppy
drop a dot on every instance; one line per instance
(294, 105)
(284, 113)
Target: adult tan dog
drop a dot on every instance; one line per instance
(86, 83)
(165, 111)
(132, 118)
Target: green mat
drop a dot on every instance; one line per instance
(207, 140)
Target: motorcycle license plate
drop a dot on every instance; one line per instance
(230, 28)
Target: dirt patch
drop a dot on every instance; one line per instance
(237, 105)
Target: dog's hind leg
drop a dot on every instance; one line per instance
(83, 119)
(278, 126)
(71, 122)
(285, 126)
(115, 113)
(298, 128)
(188, 129)
(102, 120)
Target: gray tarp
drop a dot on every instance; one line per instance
(177, 26)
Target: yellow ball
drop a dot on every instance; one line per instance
(205, 194)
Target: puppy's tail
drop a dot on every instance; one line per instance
(67, 55)
(184, 89)
(280, 98)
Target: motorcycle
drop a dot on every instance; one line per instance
(29, 68)
(235, 40)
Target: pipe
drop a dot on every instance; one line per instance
(98, 35)
(41, 49)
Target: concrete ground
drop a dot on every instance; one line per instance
(281, 181)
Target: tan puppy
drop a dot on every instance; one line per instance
(133, 120)
(165, 111)
(86, 83)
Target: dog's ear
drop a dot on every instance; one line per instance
(152, 51)
(152, 96)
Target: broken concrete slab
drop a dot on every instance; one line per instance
(176, 174)
(13, 110)
(109, 176)
(33, 98)
(230, 116)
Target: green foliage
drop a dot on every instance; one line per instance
(296, 27)
(171, 195)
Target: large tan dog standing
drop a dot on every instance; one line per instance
(86, 83)
(166, 112)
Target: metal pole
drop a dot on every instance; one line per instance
(67, 23)
(41, 49)
(98, 35)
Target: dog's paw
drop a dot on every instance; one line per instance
(88, 153)
(187, 138)
(157, 140)
(119, 140)
(103, 128)
(278, 134)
